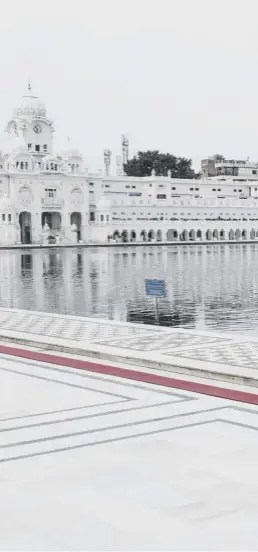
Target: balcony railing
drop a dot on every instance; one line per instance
(52, 203)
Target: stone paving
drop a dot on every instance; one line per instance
(190, 348)
(93, 462)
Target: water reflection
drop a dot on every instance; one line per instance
(211, 287)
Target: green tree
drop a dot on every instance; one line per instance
(145, 162)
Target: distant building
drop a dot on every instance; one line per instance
(208, 165)
(234, 169)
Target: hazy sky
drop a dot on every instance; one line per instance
(176, 75)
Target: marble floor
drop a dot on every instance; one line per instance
(93, 462)
(175, 346)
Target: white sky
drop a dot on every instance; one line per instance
(175, 75)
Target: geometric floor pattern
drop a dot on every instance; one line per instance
(133, 337)
(91, 462)
(109, 410)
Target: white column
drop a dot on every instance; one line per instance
(84, 227)
(36, 228)
(65, 223)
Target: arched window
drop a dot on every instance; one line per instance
(26, 165)
(101, 218)
(21, 165)
(51, 166)
(116, 235)
(55, 167)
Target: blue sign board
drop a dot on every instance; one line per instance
(155, 288)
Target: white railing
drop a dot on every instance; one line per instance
(52, 203)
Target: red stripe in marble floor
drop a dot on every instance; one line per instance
(135, 375)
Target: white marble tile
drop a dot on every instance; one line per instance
(215, 353)
(175, 476)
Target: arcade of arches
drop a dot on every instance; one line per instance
(173, 235)
(53, 220)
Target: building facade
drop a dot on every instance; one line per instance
(48, 197)
(165, 209)
(44, 195)
(219, 167)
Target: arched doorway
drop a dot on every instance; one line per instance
(238, 234)
(192, 235)
(199, 234)
(184, 236)
(124, 236)
(159, 235)
(76, 221)
(143, 235)
(222, 234)
(116, 235)
(208, 235)
(231, 234)
(25, 226)
(244, 235)
(53, 219)
(172, 235)
(215, 234)
(133, 236)
(252, 234)
(151, 235)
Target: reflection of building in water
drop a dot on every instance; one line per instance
(206, 286)
(10, 285)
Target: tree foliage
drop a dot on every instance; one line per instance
(145, 162)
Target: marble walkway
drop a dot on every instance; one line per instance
(103, 455)
(209, 354)
(90, 461)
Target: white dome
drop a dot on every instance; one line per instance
(70, 154)
(104, 204)
(19, 150)
(18, 147)
(30, 106)
(51, 158)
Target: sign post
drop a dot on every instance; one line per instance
(155, 288)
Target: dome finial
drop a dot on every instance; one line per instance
(29, 85)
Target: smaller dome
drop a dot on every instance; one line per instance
(51, 159)
(30, 106)
(18, 147)
(19, 150)
(104, 204)
(70, 152)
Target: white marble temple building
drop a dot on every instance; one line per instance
(48, 196)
